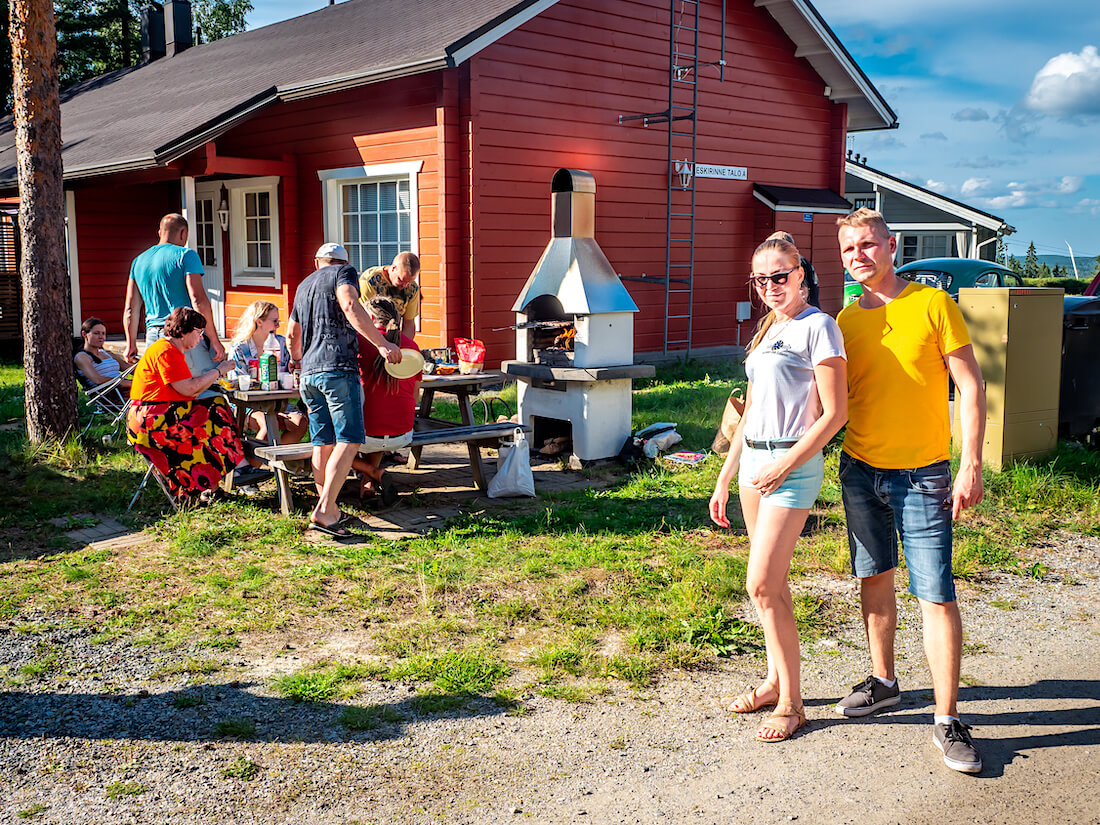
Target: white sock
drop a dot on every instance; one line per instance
(888, 682)
(945, 720)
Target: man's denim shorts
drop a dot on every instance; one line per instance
(334, 402)
(915, 503)
(799, 489)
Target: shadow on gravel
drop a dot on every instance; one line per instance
(1078, 724)
(224, 712)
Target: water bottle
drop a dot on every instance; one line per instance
(269, 363)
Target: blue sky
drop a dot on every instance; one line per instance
(998, 103)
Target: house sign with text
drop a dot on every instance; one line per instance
(705, 170)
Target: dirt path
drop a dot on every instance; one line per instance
(664, 755)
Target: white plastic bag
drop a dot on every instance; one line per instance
(513, 476)
(661, 443)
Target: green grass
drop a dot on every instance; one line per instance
(370, 717)
(567, 594)
(34, 810)
(235, 727)
(321, 682)
(241, 768)
(117, 790)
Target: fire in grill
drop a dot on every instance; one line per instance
(552, 343)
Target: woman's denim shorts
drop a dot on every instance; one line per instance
(800, 488)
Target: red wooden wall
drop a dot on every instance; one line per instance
(389, 122)
(548, 96)
(115, 224)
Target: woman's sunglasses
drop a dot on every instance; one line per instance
(779, 278)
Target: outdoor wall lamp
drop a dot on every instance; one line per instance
(223, 208)
(685, 171)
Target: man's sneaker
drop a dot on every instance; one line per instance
(959, 752)
(867, 697)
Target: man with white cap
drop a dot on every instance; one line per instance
(321, 336)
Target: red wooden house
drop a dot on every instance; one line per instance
(436, 127)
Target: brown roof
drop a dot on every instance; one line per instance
(148, 115)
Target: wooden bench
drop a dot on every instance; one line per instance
(284, 458)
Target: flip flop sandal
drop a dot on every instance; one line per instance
(748, 702)
(334, 530)
(777, 723)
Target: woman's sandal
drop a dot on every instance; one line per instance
(777, 723)
(748, 702)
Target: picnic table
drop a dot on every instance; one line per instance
(462, 387)
(427, 430)
(270, 403)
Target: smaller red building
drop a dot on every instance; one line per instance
(441, 135)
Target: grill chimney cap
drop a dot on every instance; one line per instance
(573, 180)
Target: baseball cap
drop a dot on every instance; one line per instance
(333, 251)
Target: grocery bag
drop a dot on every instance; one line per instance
(731, 417)
(513, 476)
(471, 355)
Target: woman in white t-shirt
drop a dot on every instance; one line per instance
(797, 400)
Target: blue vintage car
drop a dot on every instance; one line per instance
(950, 274)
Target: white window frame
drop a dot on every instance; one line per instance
(333, 179)
(240, 273)
(920, 238)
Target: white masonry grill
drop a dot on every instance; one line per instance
(575, 333)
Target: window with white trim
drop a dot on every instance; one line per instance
(371, 211)
(865, 202)
(376, 221)
(917, 247)
(204, 231)
(254, 231)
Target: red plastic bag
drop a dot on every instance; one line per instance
(471, 355)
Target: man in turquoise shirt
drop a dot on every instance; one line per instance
(163, 278)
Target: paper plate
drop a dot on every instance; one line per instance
(412, 362)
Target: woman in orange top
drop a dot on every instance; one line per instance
(193, 443)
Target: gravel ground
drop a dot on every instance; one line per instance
(115, 737)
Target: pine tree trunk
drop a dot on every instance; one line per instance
(47, 312)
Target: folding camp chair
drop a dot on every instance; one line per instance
(107, 402)
(159, 479)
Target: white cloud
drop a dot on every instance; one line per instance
(933, 136)
(1015, 199)
(935, 185)
(1022, 193)
(1069, 84)
(1071, 184)
(975, 186)
(971, 114)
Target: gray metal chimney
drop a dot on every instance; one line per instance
(177, 26)
(573, 268)
(152, 32)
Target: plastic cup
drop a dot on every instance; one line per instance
(286, 380)
(244, 382)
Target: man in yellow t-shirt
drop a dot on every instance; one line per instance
(397, 282)
(903, 341)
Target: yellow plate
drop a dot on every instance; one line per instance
(412, 362)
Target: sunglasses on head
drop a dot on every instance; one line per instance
(779, 278)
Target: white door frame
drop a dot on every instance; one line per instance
(213, 274)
